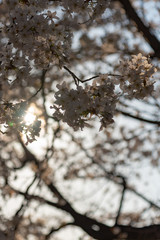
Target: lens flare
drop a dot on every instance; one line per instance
(30, 116)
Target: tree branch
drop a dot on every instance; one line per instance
(42, 85)
(91, 226)
(150, 37)
(121, 202)
(116, 178)
(77, 79)
(99, 230)
(138, 118)
(58, 228)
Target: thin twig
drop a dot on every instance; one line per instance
(138, 118)
(41, 87)
(57, 229)
(114, 177)
(30, 185)
(77, 79)
(121, 202)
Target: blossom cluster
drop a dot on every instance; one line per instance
(136, 77)
(33, 35)
(81, 7)
(30, 38)
(77, 106)
(36, 37)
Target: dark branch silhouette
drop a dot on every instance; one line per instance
(150, 37)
